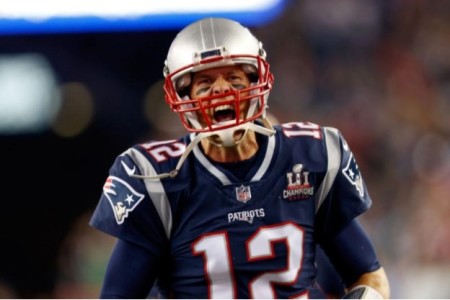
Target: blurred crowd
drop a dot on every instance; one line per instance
(380, 72)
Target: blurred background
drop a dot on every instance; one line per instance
(73, 98)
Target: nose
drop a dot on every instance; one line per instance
(220, 86)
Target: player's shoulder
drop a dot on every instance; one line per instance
(151, 156)
(321, 138)
(302, 130)
(162, 150)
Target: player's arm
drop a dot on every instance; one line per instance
(354, 258)
(130, 272)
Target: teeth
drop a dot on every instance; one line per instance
(223, 107)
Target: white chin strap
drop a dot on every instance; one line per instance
(226, 136)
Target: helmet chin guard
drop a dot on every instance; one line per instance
(226, 136)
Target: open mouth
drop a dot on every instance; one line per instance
(224, 113)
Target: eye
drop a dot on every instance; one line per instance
(235, 78)
(237, 81)
(203, 81)
(201, 85)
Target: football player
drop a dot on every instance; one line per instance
(236, 207)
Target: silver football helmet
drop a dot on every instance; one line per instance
(211, 43)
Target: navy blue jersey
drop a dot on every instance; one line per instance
(222, 232)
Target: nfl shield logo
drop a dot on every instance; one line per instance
(243, 193)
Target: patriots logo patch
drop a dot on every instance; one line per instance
(122, 197)
(351, 172)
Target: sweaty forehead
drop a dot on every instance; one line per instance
(220, 71)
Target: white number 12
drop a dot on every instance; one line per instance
(219, 269)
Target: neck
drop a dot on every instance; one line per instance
(242, 151)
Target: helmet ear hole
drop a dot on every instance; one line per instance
(251, 72)
(183, 82)
(182, 85)
(249, 69)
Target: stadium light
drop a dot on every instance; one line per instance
(53, 16)
(29, 98)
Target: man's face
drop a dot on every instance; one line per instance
(216, 81)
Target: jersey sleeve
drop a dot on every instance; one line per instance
(345, 194)
(126, 211)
